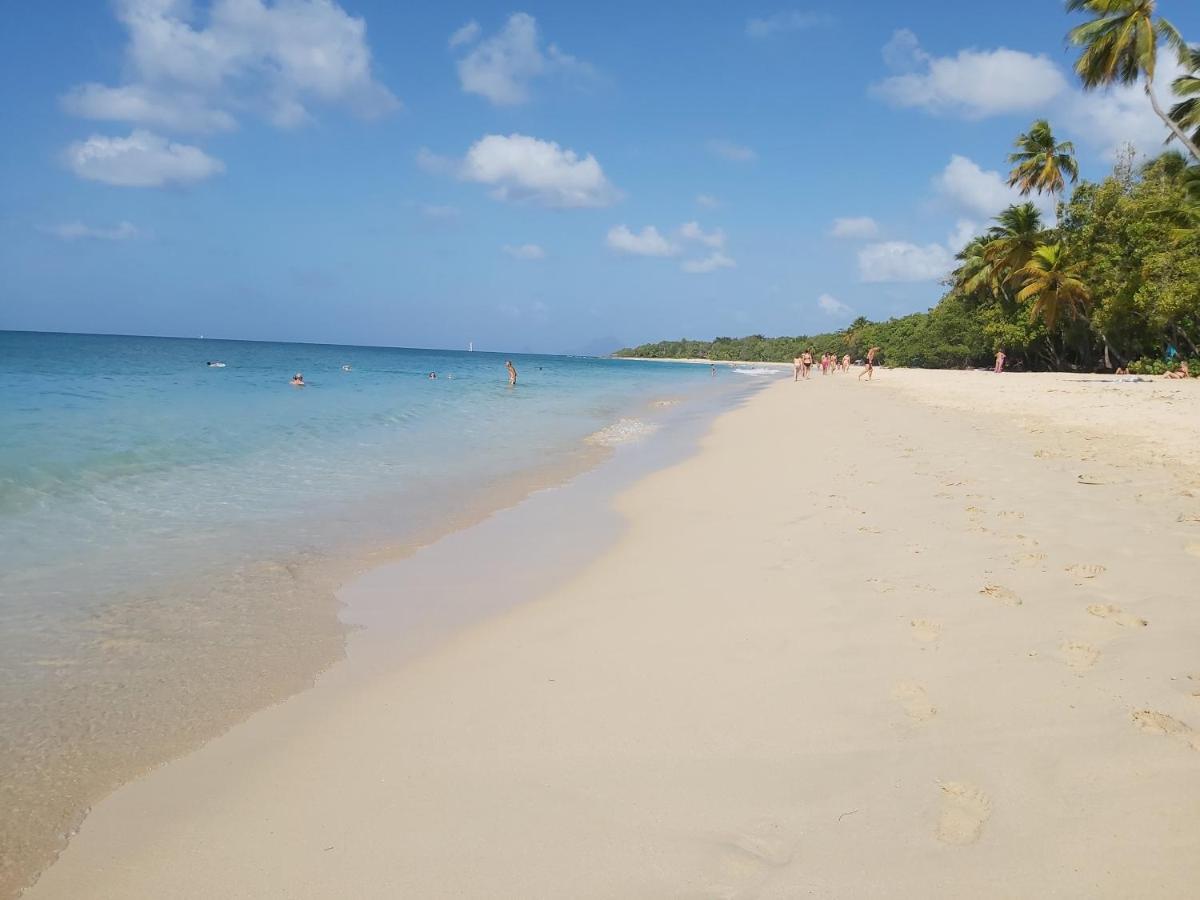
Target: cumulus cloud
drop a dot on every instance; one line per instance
(832, 306)
(468, 34)
(525, 169)
(1121, 115)
(273, 60)
(787, 20)
(525, 251)
(708, 201)
(174, 110)
(854, 227)
(972, 189)
(691, 231)
(973, 84)
(74, 231)
(902, 261)
(648, 242)
(731, 151)
(143, 159)
(501, 67)
(710, 263)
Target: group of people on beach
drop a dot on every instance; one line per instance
(829, 363)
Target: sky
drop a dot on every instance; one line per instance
(557, 177)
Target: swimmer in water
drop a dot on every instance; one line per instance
(215, 364)
(297, 380)
(512, 372)
(433, 375)
(345, 368)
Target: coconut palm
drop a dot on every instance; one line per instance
(974, 273)
(1120, 45)
(1053, 285)
(1012, 240)
(1186, 113)
(1040, 163)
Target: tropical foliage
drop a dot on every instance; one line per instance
(1113, 283)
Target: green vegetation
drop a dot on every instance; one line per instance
(1115, 283)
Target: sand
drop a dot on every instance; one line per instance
(934, 636)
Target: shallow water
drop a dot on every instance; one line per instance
(171, 533)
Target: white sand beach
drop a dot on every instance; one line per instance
(931, 636)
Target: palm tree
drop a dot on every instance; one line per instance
(1053, 284)
(1040, 163)
(1186, 113)
(1012, 241)
(1120, 45)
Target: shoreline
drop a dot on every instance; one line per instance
(320, 587)
(772, 684)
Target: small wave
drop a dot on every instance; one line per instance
(620, 432)
(663, 404)
(755, 370)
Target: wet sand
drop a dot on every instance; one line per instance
(929, 636)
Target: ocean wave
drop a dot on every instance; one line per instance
(755, 370)
(620, 432)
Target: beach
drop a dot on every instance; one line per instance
(929, 636)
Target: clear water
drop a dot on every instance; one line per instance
(169, 530)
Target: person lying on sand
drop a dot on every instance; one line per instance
(1182, 373)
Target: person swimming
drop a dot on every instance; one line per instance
(432, 375)
(297, 380)
(346, 368)
(512, 372)
(215, 364)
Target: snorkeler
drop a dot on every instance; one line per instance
(298, 380)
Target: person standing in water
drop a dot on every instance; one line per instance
(869, 371)
(512, 372)
(713, 366)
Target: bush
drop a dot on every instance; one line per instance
(1146, 366)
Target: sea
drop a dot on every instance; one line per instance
(175, 518)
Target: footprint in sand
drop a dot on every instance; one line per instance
(915, 701)
(1001, 594)
(1160, 723)
(1028, 559)
(964, 810)
(1078, 656)
(1114, 613)
(746, 860)
(1085, 570)
(925, 631)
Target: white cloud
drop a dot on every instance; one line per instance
(524, 169)
(731, 151)
(143, 105)
(973, 84)
(525, 251)
(691, 231)
(501, 67)
(964, 232)
(710, 263)
(272, 60)
(787, 20)
(855, 227)
(833, 306)
(708, 201)
(468, 34)
(1122, 115)
(902, 261)
(143, 159)
(980, 192)
(74, 231)
(648, 242)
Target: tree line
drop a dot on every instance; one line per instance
(1113, 283)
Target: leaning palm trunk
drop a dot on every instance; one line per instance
(1171, 123)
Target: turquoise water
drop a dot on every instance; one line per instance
(172, 533)
(127, 458)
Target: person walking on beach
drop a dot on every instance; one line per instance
(1000, 357)
(869, 370)
(512, 372)
(846, 362)
(806, 363)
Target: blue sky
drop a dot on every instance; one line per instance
(558, 177)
